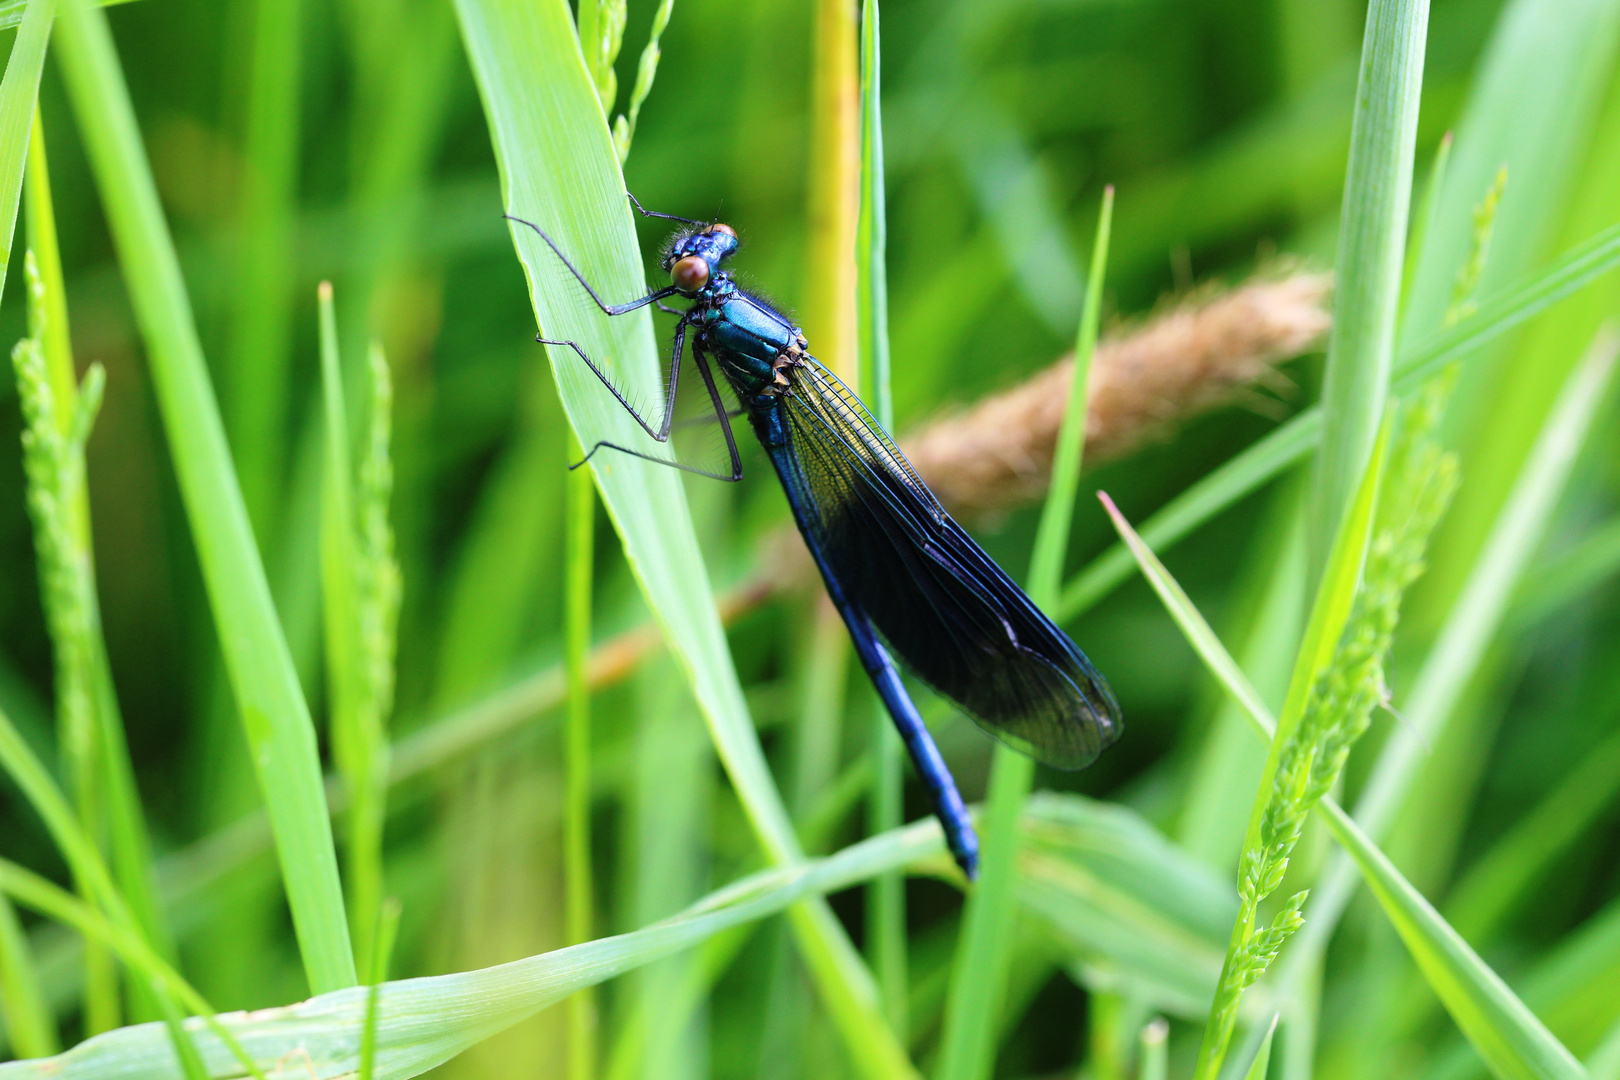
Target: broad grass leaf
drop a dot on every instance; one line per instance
(1135, 913)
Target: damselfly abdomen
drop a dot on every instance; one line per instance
(899, 570)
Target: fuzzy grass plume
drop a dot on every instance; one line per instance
(1204, 352)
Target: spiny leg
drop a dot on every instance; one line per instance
(720, 413)
(662, 431)
(603, 444)
(694, 421)
(607, 308)
(644, 212)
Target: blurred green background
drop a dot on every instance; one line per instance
(1223, 125)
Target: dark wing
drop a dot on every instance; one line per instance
(954, 618)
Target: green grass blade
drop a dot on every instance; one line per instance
(25, 1015)
(558, 166)
(1052, 536)
(1372, 242)
(274, 713)
(117, 929)
(1262, 1057)
(345, 664)
(1267, 458)
(1604, 1062)
(127, 829)
(422, 1022)
(1132, 913)
(1504, 1031)
(387, 929)
(578, 566)
(47, 800)
(337, 534)
(42, 242)
(979, 974)
(1495, 1021)
(886, 900)
(29, 888)
(12, 11)
(257, 386)
(19, 90)
(871, 231)
(1155, 1049)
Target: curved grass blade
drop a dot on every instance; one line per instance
(19, 91)
(1139, 915)
(423, 1022)
(106, 918)
(53, 902)
(558, 164)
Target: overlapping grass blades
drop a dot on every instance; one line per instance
(1459, 651)
(1496, 1022)
(886, 903)
(1134, 909)
(558, 166)
(422, 1022)
(105, 918)
(269, 699)
(1497, 315)
(90, 728)
(978, 974)
(1289, 784)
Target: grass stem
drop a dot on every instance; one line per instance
(579, 560)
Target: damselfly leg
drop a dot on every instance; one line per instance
(661, 432)
(720, 413)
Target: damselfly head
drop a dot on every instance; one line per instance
(694, 255)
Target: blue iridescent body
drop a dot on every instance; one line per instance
(902, 574)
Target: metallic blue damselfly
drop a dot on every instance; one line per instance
(904, 575)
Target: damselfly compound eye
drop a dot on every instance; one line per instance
(717, 227)
(689, 274)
